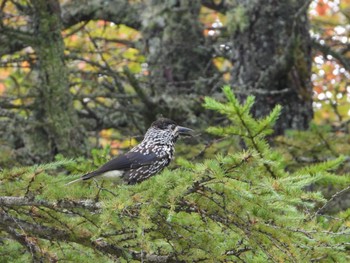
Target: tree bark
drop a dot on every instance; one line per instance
(178, 60)
(271, 54)
(58, 129)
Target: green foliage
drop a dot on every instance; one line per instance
(237, 19)
(317, 144)
(322, 146)
(9, 252)
(236, 206)
(80, 165)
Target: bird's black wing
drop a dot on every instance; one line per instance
(130, 160)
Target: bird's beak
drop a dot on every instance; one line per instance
(184, 131)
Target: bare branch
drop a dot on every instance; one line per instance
(220, 7)
(330, 201)
(116, 11)
(326, 50)
(12, 201)
(73, 12)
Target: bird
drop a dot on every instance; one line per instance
(146, 159)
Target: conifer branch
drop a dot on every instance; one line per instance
(30, 243)
(251, 137)
(9, 223)
(228, 206)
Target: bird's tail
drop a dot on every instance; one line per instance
(74, 181)
(89, 175)
(84, 177)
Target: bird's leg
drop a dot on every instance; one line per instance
(99, 190)
(109, 191)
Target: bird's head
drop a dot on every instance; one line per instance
(166, 131)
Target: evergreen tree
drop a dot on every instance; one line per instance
(242, 206)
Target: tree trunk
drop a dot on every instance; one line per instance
(271, 55)
(57, 129)
(178, 61)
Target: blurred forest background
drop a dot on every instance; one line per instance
(84, 79)
(80, 74)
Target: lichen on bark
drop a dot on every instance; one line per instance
(272, 60)
(57, 129)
